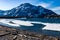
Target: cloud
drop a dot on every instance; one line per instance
(56, 8)
(50, 6)
(43, 4)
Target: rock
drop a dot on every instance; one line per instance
(3, 33)
(15, 34)
(15, 37)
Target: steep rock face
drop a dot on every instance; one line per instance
(28, 10)
(24, 10)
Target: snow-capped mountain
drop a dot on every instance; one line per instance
(28, 10)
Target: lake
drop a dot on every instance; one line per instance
(45, 26)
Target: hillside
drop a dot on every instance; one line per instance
(29, 11)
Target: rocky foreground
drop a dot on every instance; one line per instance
(14, 34)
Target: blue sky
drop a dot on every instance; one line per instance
(49, 4)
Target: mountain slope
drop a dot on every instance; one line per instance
(28, 10)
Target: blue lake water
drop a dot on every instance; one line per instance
(38, 27)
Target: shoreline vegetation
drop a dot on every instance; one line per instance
(7, 33)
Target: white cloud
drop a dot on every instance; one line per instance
(43, 4)
(56, 8)
(49, 6)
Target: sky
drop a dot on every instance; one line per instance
(53, 5)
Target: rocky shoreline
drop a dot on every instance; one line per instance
(15, 34)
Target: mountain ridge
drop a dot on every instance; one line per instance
(29, 11)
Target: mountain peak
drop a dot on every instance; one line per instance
(26, 4)
(29, 10)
